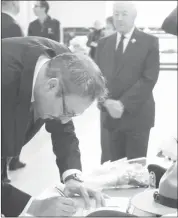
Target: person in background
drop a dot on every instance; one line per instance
(170, 23)
(94, 37)
(44, 83)
(129, 59)
(69, 36)
(44, 25)
(110, 28)
(10, 28)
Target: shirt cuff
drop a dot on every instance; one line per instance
(24, 212)
(70, 172)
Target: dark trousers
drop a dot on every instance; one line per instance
(119, 144)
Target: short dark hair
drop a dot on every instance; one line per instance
(79, 75)
(44, 4)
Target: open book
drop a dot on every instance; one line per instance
(113, 203)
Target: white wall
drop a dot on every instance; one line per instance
(78, 13)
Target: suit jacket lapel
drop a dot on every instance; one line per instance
(129, 51)
(23, 108)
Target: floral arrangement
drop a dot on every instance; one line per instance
(119, 174)
(78, 44)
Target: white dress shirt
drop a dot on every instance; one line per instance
(126, 39)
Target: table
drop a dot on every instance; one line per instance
(123, 192)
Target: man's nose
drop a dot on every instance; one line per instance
(120, 17)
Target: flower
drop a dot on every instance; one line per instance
(133, 40)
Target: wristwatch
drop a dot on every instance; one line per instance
(75, 177)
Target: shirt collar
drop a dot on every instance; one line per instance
(41, 61)
(127, 35)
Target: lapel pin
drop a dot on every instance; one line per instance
(133, 40)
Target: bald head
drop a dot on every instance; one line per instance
(124, 14)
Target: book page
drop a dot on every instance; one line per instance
(115, 203)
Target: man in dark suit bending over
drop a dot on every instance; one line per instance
(43, 82)
(129, 59)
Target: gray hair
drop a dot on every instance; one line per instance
(78, 74)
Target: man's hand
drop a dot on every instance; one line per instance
(74, 187)
(54, 206)
(94, 44)
(114, 107)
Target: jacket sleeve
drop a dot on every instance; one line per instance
(65, 145)
(96, 59)
(170, 23)
(139, 93)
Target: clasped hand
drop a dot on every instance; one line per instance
(114, 107)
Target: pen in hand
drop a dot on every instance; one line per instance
(60, 192)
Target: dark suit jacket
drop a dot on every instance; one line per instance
(9, 27)
(50, 29)
(170, 23)
(19, 57)
(133, 81)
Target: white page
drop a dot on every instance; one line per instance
(113, 203)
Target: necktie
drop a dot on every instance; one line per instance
(120, 46)
(119, 52)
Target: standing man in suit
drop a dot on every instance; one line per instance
(43, 82)
(10, 28)
(44, 25)
(129, 59)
